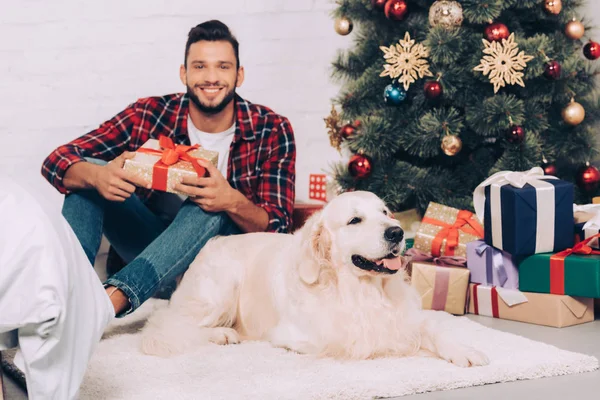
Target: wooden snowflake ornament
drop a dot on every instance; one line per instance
(406, 61)
(503, 63)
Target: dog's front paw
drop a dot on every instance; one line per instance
(463, 356)
(223, 336)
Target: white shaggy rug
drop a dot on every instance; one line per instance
(257, 371)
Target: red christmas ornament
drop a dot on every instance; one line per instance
(380, 4)
(591, 50)
(359, 166)
(515, 134)
(347, 130)
(549, 168)
(588, 178)
(433, 89)
(496, 31)
(552, 69)
(396, 9)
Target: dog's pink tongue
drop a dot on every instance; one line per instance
(393, 263)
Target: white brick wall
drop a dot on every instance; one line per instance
(65, 67)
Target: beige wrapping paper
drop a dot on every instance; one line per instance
(142, 165)
(450, 295)
(427, 232)
(544, 309)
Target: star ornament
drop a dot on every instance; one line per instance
(503, 63)
(332, 123)
(406, 61)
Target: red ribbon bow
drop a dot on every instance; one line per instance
(557, 264)
(170, 154)
(465, 221)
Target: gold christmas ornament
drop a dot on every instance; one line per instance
(502, 62)
(406, 61)
(574, 29)
(553, 6)
(446, 13)
(343, 25)
(451, 145)
(574, 113)
(332, 123)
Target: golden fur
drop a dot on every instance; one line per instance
(303, 292)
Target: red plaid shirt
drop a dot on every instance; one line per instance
(262, 155)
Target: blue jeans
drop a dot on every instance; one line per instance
(155, 250)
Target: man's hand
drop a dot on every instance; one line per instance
(114, 183)
(213, 193)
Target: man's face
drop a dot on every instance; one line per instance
(211, 75)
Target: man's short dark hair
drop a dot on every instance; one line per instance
(212, 31)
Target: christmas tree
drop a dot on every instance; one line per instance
(437, 96)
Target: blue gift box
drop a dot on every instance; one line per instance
(520, 218)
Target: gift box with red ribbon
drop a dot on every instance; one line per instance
(165, 164)
(574, 271)
(534, 308)
(446, 231)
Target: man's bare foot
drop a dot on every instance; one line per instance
(118, 299)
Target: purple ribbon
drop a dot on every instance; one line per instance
(443, 261)
(493, 261)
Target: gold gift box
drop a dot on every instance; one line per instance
(425, 277)
(142, 165)
(410, 220)
(427, 232)
(544, 309)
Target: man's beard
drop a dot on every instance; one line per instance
(212, 110)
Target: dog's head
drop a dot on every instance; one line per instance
(356, 231)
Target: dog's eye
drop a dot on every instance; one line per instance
(354, 220)
(385, 212)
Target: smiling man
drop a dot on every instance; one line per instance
(159, 234)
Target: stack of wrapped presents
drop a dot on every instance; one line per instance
(527, 254)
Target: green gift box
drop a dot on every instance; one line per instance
(573, 274)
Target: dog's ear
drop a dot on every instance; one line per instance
(316, 248)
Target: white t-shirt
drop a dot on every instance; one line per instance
(220, 142)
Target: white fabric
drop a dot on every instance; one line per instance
(255, 370)
(220, 142)
(52, 303)
(544, 202)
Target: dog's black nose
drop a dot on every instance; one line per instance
(394, 234)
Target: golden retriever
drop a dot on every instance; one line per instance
(335, 288)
